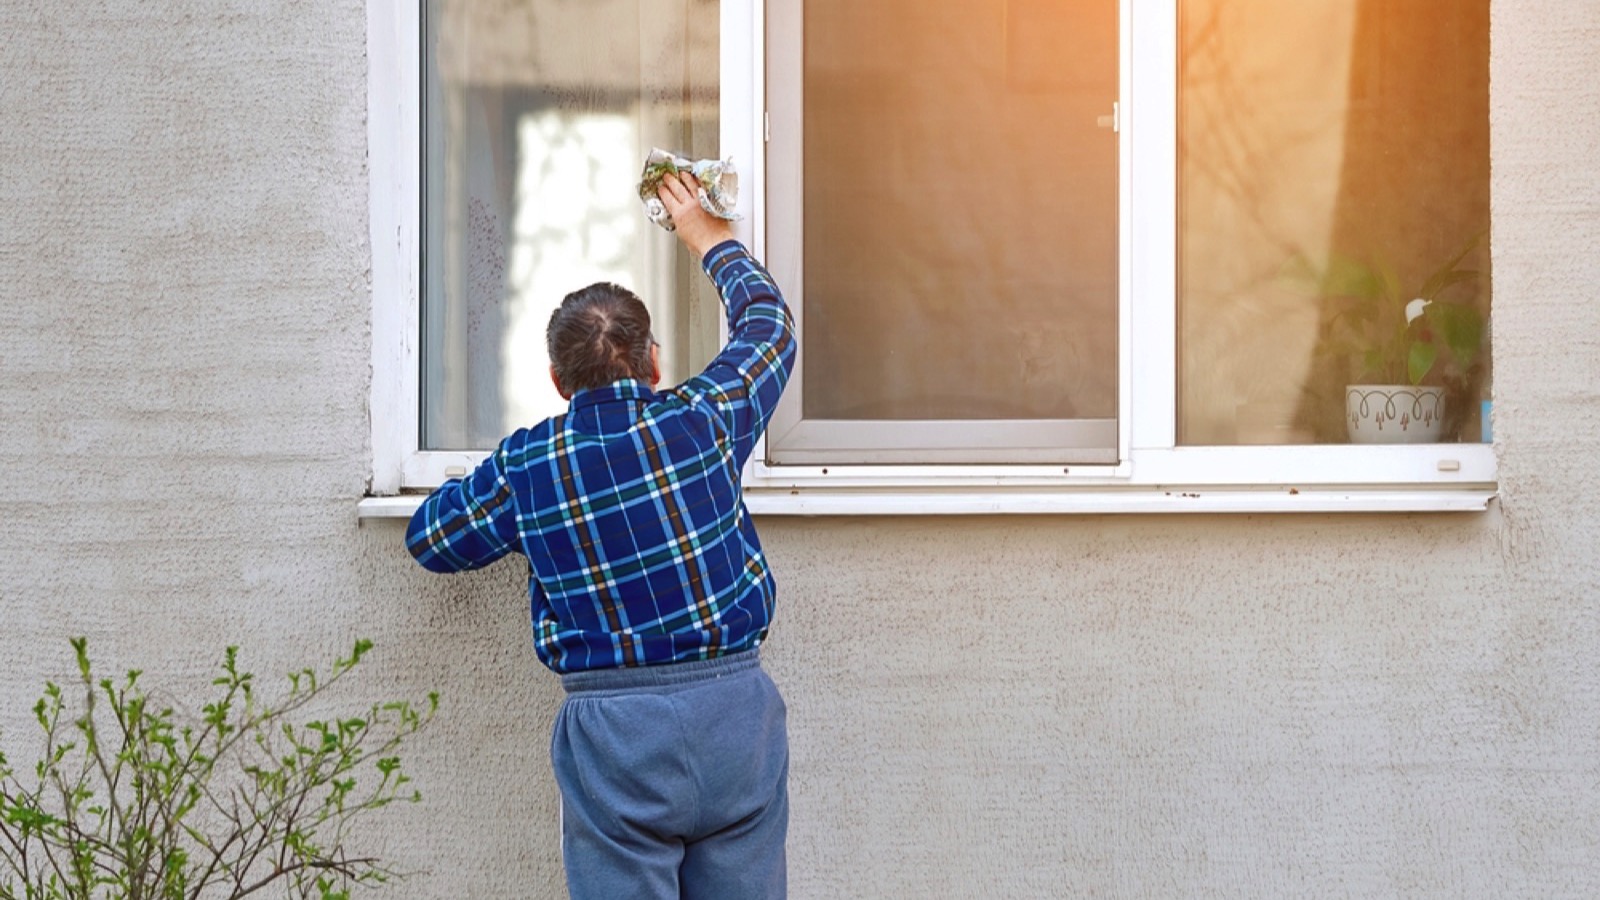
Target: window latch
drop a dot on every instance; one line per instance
(1113, 121)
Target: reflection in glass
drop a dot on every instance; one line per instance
(1334, 168)
(537, 118)
(960, 210)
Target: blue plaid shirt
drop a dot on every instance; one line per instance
(628, 506)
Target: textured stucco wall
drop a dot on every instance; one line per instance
(1028, 707)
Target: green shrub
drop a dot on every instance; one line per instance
(134, 799)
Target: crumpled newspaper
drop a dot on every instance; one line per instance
(719, 185)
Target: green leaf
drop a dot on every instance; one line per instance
(1462, 329)
(1389, 281)
(1447, 274)
(80, 646)
(1372, 362)
(1421, 361)
(1346, 277)
(362, 646)
(1444, 280)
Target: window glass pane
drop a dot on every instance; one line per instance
(538, 115)
(1334, 168)
(960, 210)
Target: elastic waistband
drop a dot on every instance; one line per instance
(666, 675)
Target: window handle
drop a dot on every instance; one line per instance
(1113, 121)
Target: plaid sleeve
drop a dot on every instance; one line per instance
(466, 523)
(746, 379)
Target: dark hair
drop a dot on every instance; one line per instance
(598, 335)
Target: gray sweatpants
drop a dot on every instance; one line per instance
(674, 781)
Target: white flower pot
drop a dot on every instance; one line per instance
(1393, 413)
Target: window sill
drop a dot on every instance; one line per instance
(956, 501)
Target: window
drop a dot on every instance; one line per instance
(1334, 161)
(530, 121)
(1044, 254)
(536, 118)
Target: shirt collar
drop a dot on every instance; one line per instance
(626, 389)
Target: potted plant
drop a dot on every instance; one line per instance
(1409, 354)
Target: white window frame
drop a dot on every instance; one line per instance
(394, 172)
(1153, 474)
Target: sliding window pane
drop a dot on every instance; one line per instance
(960, 210)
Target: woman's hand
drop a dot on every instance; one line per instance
(698, 229)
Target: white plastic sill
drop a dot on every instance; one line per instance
(818, 502)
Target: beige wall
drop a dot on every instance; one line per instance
(1020, 707)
